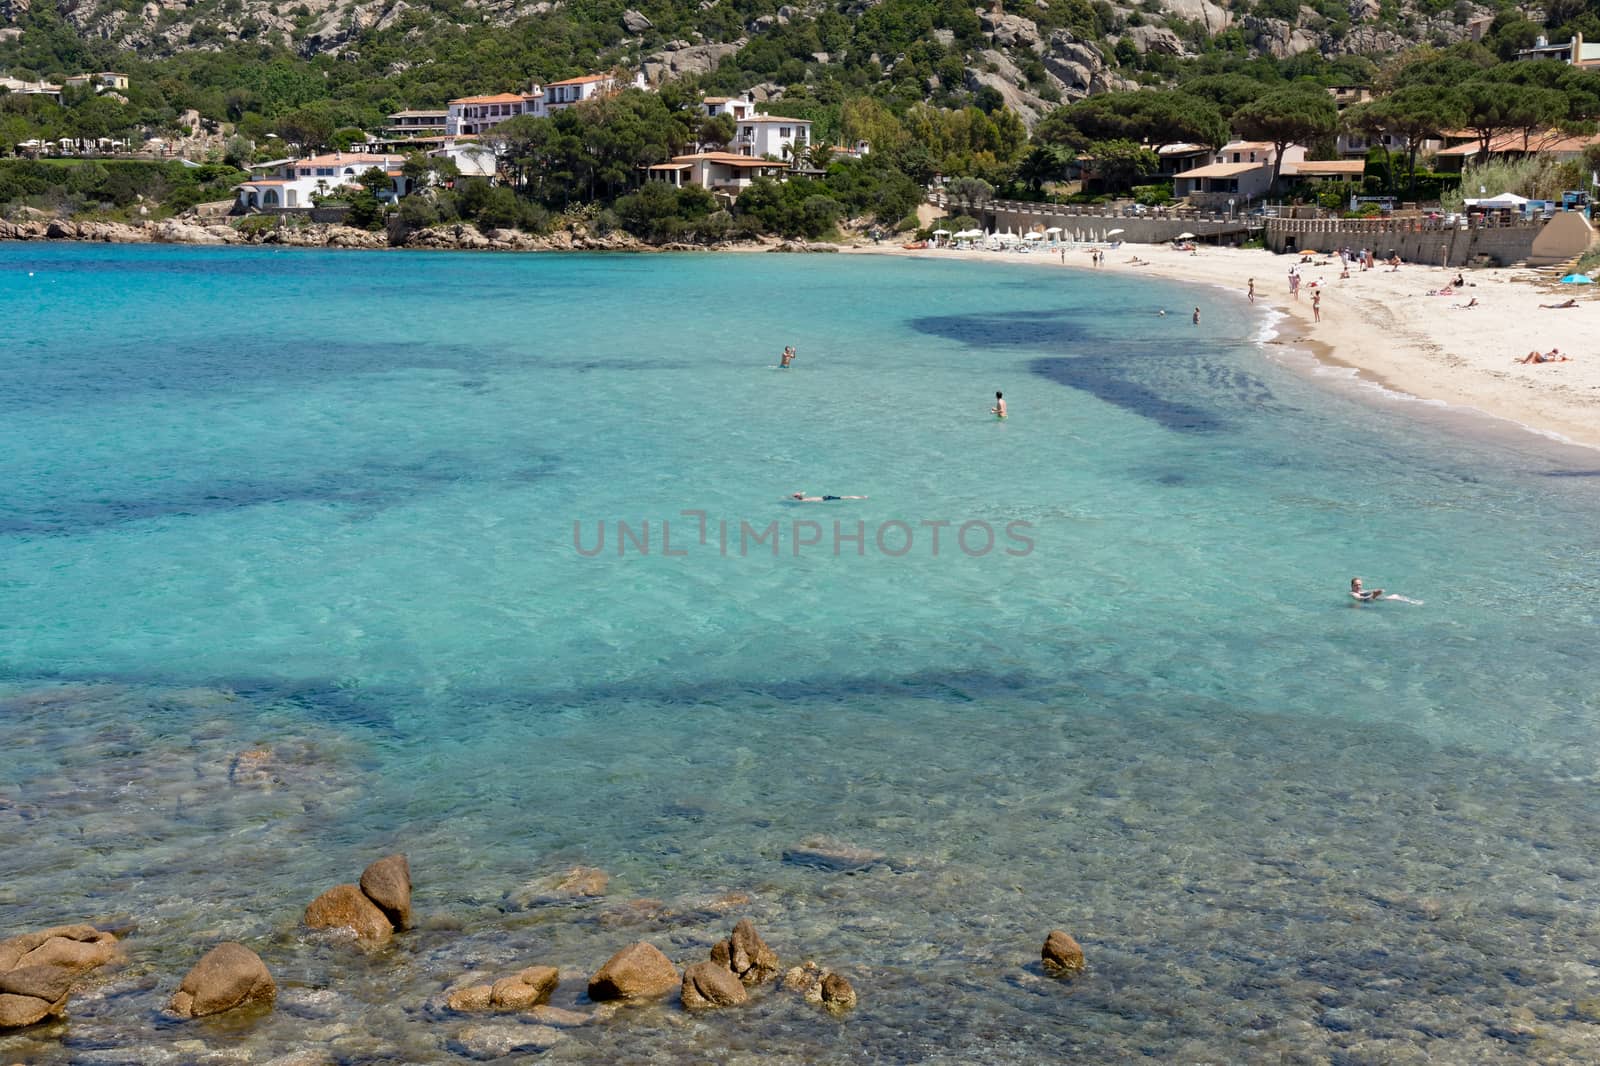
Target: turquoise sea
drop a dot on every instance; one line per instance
(342, 509)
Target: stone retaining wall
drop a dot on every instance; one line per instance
(1094, 222)
(1416, 240)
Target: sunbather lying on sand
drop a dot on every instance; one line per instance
(1569, 302)
(1552, 356)
(1469, 305)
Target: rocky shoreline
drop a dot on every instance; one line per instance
(455, 237)
(40, 971)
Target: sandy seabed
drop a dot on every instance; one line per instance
(1393, 327)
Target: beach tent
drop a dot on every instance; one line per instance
(1505, 201)
(1577, 279)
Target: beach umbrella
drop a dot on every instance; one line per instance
(1053, 229)
(1113, 232)
(1033, 237)
(1577, 279)
(1184, 237)
(941, 233)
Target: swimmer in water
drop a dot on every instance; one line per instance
(800, 497)
(787, 357)
(1364, 595)
(999, 408)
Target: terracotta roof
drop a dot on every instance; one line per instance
(716, 100)
(497, 98)
(1327, 166)
(730, 159)
(1221, 170)
(585, 80)
(361, 160)
(1245, 146)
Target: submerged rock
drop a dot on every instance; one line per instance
(574, 885)
(825, 854)
(638, 971)
(229, 975)
(1061, 955)
(496, 1041)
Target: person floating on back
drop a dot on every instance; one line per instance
(999, 408)
(800, 497)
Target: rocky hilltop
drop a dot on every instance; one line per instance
(1032, 54)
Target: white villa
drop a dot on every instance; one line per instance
(772, 135)
(469, 116)
(293, 182)
(103, 82)
(559, 95)
(740, 107)
(18, 87)
(720, 172)
(1240, 171)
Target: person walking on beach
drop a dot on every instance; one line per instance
(1316, 306)
(999, 408)
(1252, 292)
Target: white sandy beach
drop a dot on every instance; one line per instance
(1384, 324)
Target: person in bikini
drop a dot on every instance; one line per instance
(1364, 595)
(1552, 356)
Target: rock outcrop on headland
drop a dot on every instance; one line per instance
(37, 970)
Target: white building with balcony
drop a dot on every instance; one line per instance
(772, 135)
(470, 116)
(293, 182)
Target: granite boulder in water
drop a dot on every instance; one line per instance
(387, 883)
(710, 984)
(228, 976)
(1061, 955)
(638, 971)
(746, 955)
(37, 970)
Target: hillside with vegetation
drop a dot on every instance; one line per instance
(1005, 99)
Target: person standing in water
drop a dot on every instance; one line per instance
(1197, 316)
(999, 408)
(1364, 595)
(786, 358)
(1252, 292)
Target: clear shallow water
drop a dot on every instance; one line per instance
(324, 504)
